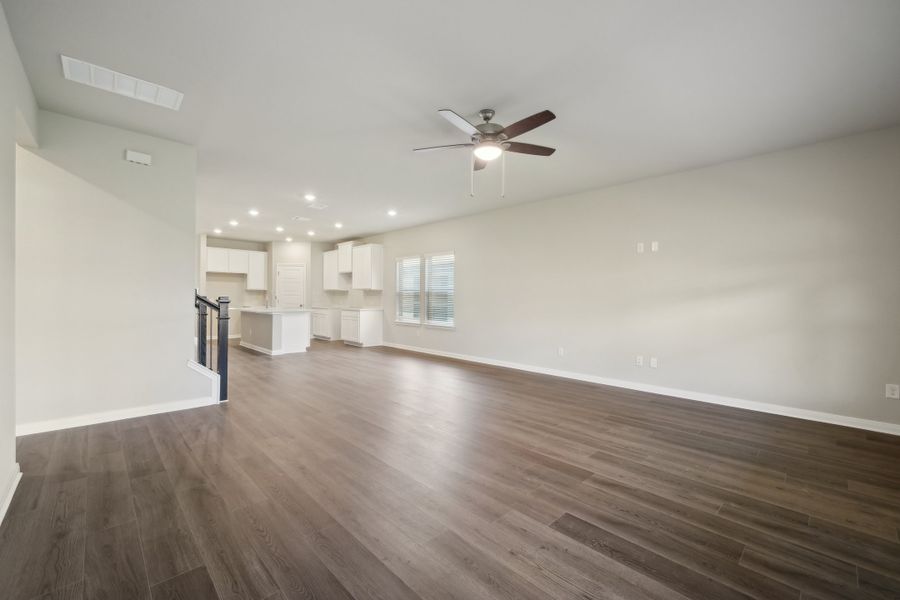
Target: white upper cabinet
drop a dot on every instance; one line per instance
(332, 280)
(238, 261)
(256, 272)
(217, 260)
(345, 257)
(368, 267)
(251, 263)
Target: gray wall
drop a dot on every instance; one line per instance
(777, 279)
(17, 123)
(105, 271)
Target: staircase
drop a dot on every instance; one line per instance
(205, 309)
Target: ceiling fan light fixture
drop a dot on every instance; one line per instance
(488, 150)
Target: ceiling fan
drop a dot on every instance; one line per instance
(490, 140)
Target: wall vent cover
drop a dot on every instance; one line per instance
(102, 78)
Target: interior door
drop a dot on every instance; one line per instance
(290, 286)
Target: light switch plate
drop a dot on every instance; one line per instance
(639, 361)
(640, 247)
(654, 246)
(892, 390)
(654, 362)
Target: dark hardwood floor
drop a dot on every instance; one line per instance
(374, 473)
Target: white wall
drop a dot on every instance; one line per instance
(17, 123)
(777, 280)
(106, 268)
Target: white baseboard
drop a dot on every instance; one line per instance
(260, 349)
(113, 415)
(267, 351)
(775, 409)
(11, 486)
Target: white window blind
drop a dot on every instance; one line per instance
(439, 289)
(409, 289)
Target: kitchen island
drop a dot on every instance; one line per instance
(275, 331)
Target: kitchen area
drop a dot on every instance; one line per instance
(285, 295)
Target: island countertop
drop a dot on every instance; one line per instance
(262, 310)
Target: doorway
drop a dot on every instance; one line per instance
(290, 285)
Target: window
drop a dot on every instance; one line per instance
(439, 289)
(428, 281)
(409, 290)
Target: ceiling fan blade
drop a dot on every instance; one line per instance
(458, 121)
(529, 149)
(430, 148)
(528, 123)
(480, 164)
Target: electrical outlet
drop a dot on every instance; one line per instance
(654, 362)
(640, 247)
(892, 390)
(639, 361)
(561, 351)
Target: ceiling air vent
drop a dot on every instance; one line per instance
(120, 83)
(138, 158)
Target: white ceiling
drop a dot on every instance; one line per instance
(286, 97)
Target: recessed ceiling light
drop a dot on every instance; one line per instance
(310, 197)
(310, 232)
(279, 229)
(217, 231)
(392, 213)
(289, 239)
(253, 212)
(233, 223)
(338, 225)
(120, 83)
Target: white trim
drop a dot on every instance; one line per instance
(407, 323)
(13, 483)
(266, 350)
(112, 415)
(214, 379)
(775, 409)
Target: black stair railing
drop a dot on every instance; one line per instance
(205, 309)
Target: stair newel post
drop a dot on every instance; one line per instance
(222, 365)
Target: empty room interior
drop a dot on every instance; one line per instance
(450, 300)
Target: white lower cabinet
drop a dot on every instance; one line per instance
(362, 327)
(326, 323)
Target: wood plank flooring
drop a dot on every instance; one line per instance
(374, 473)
